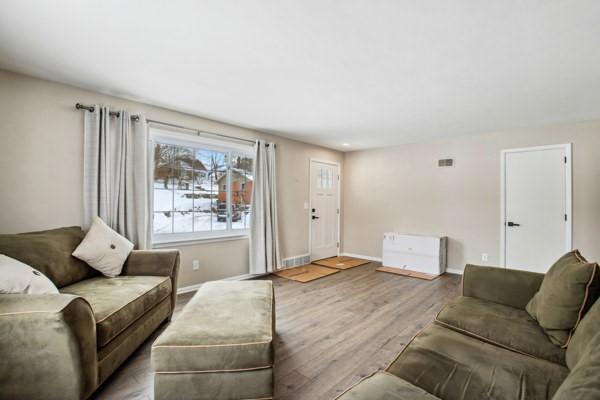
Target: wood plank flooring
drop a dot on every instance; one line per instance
(330, 332)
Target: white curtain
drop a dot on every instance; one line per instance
(264, 238)
(116, 174)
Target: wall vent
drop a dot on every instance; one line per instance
(446, 162)
(296, 261)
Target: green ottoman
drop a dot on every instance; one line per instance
(220, 346)
(385, 386)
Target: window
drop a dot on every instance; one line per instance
(201, 188)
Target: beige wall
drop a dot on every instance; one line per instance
(41, 157)
(402, 189)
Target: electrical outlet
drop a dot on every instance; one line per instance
(484, 257)
(195, 265)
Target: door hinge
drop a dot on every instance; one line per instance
(338, 245)
(565, 159)
(565, 217)
(338, 210)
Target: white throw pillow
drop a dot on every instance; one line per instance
(17, 277)
(104, 249)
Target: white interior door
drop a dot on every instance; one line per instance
(537, 206)
(324, 211)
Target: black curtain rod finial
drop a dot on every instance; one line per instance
(80, 106)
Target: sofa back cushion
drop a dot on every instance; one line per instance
(582, 383)
(568, 289)
(50, 253)
(588, 329)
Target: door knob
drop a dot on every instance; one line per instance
(510, 223)
(313, 217)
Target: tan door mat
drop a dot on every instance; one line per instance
(305, 273)
(406, 272)
(341, 262)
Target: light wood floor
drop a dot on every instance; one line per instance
(330, 332)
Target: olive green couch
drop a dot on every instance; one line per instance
(484, 345)
(63, 346)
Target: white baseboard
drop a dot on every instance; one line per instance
(454, 271)
(192, 288)
(377, 259)
(187, 289)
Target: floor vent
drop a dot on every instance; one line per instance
(296, 261)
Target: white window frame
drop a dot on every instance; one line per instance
(175, 137)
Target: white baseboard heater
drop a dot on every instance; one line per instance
(426, 254)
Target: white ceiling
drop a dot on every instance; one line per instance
(369, 73)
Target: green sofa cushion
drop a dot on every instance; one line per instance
(583, 383)
(568, 288)
(588, 328)
(119, 302)
(385, 386)
(453, 366)
(505, 326)
(226, 326)
(50, 253)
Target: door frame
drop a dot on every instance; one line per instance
(339, 202)
(568, 148)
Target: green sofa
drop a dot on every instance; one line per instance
(63, 346)
(484, 345)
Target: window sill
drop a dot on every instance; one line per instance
(189, 241)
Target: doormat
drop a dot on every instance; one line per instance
(305, 273)
(406, 272)
(341, 262)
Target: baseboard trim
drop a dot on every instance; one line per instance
(192, 288)
(187, 289)
(454, 271)
(376, 259)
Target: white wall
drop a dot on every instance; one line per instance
(41, 158)
(402, 189)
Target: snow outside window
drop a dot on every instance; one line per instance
(201, 188)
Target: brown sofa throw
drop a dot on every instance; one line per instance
(568, 288)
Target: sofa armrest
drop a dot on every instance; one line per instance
(156, 263)
(510, 287)
(47, 347)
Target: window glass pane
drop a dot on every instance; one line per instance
(219, 201)
(241, 186)
(162, 222)
(162, 164)
(183, 221)
(202, 199)
(183, 200)
(210, 160)
(163, 200)
(183, 157)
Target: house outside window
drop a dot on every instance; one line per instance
(201, 188)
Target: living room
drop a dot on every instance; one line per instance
(299, 200)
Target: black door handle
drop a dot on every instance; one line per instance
(313, 217)
(510, 223)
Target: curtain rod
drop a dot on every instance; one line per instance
(199, 132)
(117, 114)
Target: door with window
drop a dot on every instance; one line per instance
(537, 206)
(324, 209)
